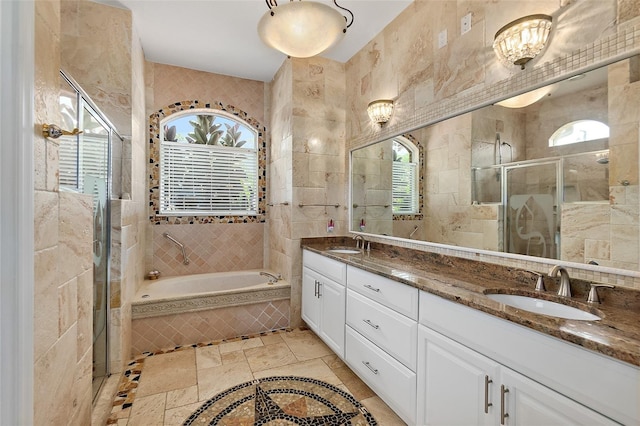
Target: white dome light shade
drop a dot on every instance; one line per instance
(526, 99)
(302, 29)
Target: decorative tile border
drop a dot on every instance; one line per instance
(154, 163)
(154, 308)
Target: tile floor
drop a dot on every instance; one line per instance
(164, 389)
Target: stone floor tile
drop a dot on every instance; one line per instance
(356, 387)
(177, 416)
(306, 345)
(382, 413)
(314, 368)
(207, 357)
(180, 397)
(216, 379)
(148, 410)
(165, 372)
(240, 345)
(266, 357)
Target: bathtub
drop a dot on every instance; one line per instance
(187, 310)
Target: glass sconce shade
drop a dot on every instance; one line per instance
(301, 29)
(521, 40)
(380, 111)
(525, 99)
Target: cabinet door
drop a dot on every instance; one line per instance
(332, 315)
(456, 386)
(529, 403)
(310, 300)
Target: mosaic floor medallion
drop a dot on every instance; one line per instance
(285, 400)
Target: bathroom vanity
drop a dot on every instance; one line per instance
(419, 329)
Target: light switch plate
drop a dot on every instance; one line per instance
(442, 38)
(465, 24)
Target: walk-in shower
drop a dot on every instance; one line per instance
(532, 194)
(85, 166)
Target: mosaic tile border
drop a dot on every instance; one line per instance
(154, 161)
(624, 43)
(128, 386)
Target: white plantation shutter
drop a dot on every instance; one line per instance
(207, 180)
(82, 156)
(405, 189)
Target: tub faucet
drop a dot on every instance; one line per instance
(272, 278)
(359, 239)
(565, 284)
(179, 244)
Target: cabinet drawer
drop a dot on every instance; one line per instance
(397, 296)
(337, 271)
(394, 333)
(392, 381)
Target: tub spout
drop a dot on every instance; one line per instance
(179, 244)
(272, 278)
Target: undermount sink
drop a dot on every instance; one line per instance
(543, 307)
(343, 250)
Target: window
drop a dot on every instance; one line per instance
(208, 165)
(405, 177)
(579, 131)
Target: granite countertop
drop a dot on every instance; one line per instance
(616, 334)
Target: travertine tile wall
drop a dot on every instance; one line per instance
(63, 262)
(310, 146)
(280, 182)
(93, 34)
(404, 63)
(212, 247)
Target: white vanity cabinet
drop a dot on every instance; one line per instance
(324, 298)
(381, 338)
(474, 368)
(459, 386)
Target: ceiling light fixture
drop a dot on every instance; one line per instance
(301, 29)
(520, 41)
(380, 111)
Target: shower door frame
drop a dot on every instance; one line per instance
(557, 199)
(85, 103)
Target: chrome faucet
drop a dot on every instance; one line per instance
(565, 285)
(359, 238)
(272, 278)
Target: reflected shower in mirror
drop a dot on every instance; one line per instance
(552, 177)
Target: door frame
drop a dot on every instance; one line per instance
(17, 20)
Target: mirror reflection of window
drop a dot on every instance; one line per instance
(405, 177)
(579, 131)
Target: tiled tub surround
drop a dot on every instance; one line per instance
(464, 281)
(167, 317)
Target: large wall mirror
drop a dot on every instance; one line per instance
(551, 173)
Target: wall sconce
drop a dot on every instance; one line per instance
(520, 41)
(380, 111)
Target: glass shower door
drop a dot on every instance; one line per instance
(94, 174)
(530, 200)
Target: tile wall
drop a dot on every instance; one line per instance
(211, 247)
(404, 63)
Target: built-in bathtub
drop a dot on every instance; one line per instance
(185, 310)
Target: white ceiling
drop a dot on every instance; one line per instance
(220, 36)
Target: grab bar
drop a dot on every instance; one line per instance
(179, 244)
